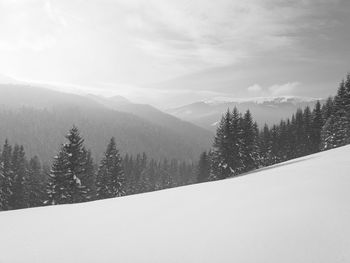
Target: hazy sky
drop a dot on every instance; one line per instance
(171, 52)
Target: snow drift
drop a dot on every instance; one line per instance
(297, 211)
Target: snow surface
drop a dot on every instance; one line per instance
(298, 211)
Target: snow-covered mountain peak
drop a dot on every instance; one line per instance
(260, 100)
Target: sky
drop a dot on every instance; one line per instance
(168, 53)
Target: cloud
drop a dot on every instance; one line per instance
(284, 89)
(207, 33)
(144, 42)
(255, 88)
(194, 35)
(29, 25)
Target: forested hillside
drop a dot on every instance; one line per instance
(241, 146)
(38, 119)
(75, 175)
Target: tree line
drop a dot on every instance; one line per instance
(74, 177)
(240, 146)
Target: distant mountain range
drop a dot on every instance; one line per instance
(39, 118)
(270, 110)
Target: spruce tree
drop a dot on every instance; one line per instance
(300, 134)
(76, 157)
(290, 140)
(6, 179)
(347, 94)
(336, 131)
(69, 177)
(274, 156)
(283, 141)
(34, 186)
(327, 109)
(147, 181)
(249, 147)
(317, 124)
(265, 146)
(110, 178)
(19, 170)
(307, 124)
(59, 183)
(166, 177)
(236, 165)
(203, 172)
(222, 149)
(340, 99)
(89, 177)
(3, 197)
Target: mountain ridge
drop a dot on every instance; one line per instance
(269, 110)
(36, 116)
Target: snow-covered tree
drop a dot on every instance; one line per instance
(110, 177)
(249, 143)
(6, 177)
(203, 170)
(34, 184)
(336, 131)
(317, 124)
(227, 156)
(265, 146)
(58, 187)
(68, 177)
(19, 171)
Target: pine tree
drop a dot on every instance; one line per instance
(203, 172)
(166, 180)
(76, 157)
(236, 165)
(3, 197)
(340, 99)
(283, 141)
(222, 147)
(300, 133)
(6, 179)
(347, 94)
(265, 146)
(227, 158)
(274, 156)
(19, 170)
(174, 172)
(110, 178)
(307, 124)
(116, 169)
(249, 147)
(147, 181)
(69, 177)
(317, 124)
(336, 131)
(89, 174)
(58, 187)
(327, 109)
(34, 187)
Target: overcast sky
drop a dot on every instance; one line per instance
(172, 52)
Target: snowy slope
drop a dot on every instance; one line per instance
(298, 211)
